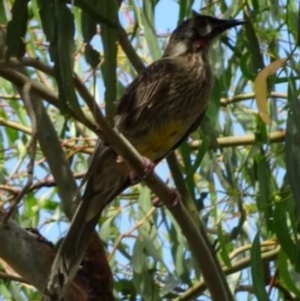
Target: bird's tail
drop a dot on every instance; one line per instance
(105, 180)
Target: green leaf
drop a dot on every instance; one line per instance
(283, 232)
(144, 201)
(292, 215)
(222, 239)
(12, 135)
(15, 292)
(264, 201)
(186, 157)
(170, 284)
(257, 272)
(256, 62)
(92, 56)
(16, 29)
(256, 6)
(126, 288)
(143, 280)
(64, 57)
(185, 9)
(3, 19)
(292, 146)
(261, 134)
(147, 21)
(293, 102)
(151, 249)
(245, 67)
(89, 30)
(286, 79)
(285, 274)
(30, 210)
(109, 67)
(106, 228)
(88, 27)
(47, 12)
(200, 156)
(179, 254)
(48, 204)
(138, 257)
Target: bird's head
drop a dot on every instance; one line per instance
(197, 34)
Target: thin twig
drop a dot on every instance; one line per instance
(9, 189)
(237, 98)
(231, 141)
(10, 97)
(6, 276)
(15, 125)
(40, 184)
(263, 245)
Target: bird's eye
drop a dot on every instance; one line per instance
(205, 30)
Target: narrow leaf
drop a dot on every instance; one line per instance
(261, 88)
(285, 274)
(292, 149)
(109, 67)
(147, 20)
(89, 30)
(257, 272)
(16, 29)
(46, 10)
(64, 57)
(88, 27)
(282, 232)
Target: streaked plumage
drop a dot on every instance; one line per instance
(156, 113)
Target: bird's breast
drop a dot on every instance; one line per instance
(161, 138)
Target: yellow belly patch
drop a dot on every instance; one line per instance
(159, 140)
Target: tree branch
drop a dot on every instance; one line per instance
(231, 141)
(31, 258)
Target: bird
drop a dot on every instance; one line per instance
(157, 112)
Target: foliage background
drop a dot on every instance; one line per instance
(243, 175)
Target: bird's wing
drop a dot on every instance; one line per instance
(147, 90)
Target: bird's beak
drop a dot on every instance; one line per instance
(223, 25)
(226, 24)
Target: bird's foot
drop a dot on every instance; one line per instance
(176, 198)
(148, 168)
